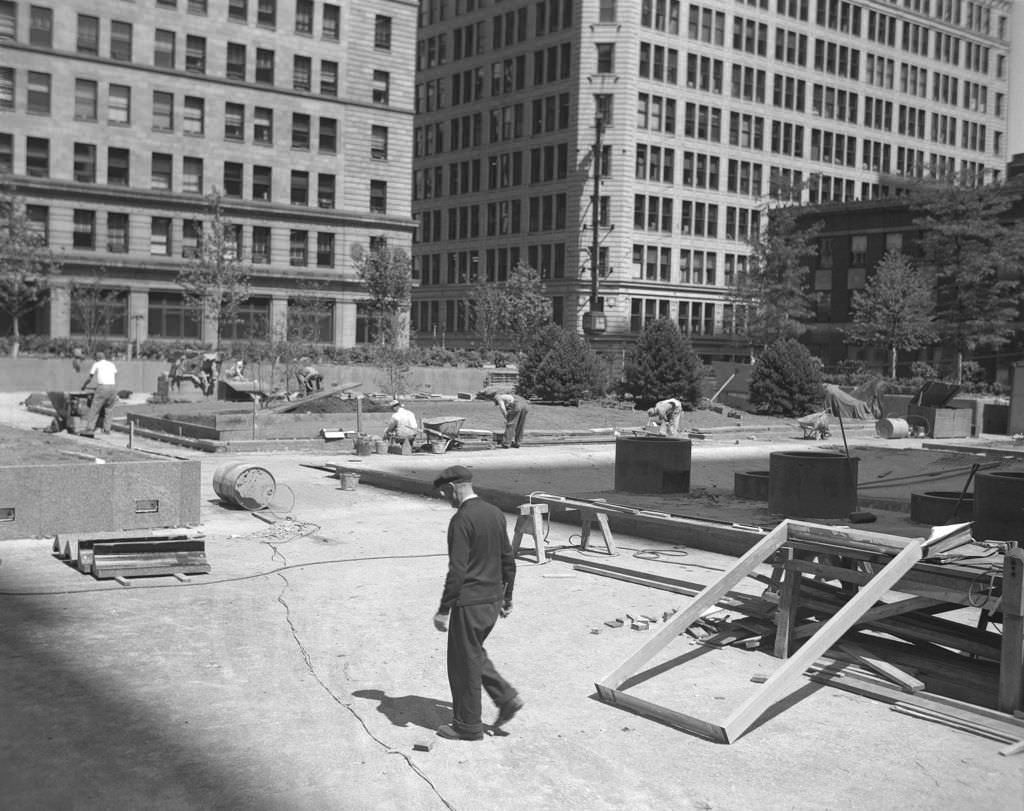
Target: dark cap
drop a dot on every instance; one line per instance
(453, 475)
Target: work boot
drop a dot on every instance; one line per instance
(452, 734)
(508, 710)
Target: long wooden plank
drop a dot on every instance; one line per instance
(782, 679)
(707, 598)
(648, 709)
(878, 612)
(906, 682)
(1011, 659)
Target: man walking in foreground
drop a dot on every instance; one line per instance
(477, 590)
(104, 374)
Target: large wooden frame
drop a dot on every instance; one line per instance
(739, 721)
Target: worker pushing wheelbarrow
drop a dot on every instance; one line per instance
(444, 430)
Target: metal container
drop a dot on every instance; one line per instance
(243, 485)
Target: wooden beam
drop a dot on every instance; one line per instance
(1011, 659)
(781, 680)
(789, 601)
(906, 682)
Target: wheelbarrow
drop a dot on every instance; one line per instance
(71, 410)
(444, 431)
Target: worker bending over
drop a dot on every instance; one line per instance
(513, 409)
(309, 377)
(665, 416)
(403, 423)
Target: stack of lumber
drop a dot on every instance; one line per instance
(134, 553)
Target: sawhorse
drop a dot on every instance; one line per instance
(530, 522)
(587, 517)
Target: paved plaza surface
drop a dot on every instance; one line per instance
(303, 671)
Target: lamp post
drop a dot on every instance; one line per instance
(594, 321)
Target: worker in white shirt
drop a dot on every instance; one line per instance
(665, 416)
(403, 423)
(103, 374)
(514, 409)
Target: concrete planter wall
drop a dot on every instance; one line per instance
(812, 484)
(652, 464)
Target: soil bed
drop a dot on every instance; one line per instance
(18, 448)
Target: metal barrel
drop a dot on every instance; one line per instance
(243, 485)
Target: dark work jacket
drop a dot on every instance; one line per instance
(481, 568)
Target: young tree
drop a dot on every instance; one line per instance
(773, 292)
(787, 380)
(386, 273)
(895, 308)
(26, 264)
(490, 305)
(663, 364)
(93, 305)
(970, 251)
(527, 308)
(559, 366)
(215, 279)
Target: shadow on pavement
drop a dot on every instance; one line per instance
(404, 711)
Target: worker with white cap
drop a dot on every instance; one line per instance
(665, 416)
(403, 423)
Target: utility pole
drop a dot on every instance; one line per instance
(594, 320)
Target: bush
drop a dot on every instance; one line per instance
(663, 364)
(559, 366)
(787, 380)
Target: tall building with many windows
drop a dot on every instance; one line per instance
(695, 113)
(119, 117)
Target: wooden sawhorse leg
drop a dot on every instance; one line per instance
(587, 517)
(530, 522)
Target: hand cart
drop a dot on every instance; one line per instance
(444, 429)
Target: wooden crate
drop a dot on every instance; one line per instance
(943, 422)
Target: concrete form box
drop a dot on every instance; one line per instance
(931, 405)
(42, 500)
(652, 464)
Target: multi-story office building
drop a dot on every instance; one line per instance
(697, 108)
(118, 117)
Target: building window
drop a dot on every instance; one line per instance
(119, 104)
(328, 78)
(117, 232)
(88, 41)
(40, 32)
(234, 122)
(163, 110)
(232, 179)
(38, 93)
(238, 11)
(6, 88)
(252, 321)
(302, 72)
(192, 175)
(300, 131)
(120, 41)
(263, 125)
(311, 320)
(324, 250)
(332, 22)
(118, 166)
(260, 245)
(85, 163)
(298, 249)
(8, 20)
(300, 188)
(191, 238)
(261, 182)
(39, 223)
(606, 11)
(379, 143)
(197, 7)
(381, 86)
(605, 57)
(328, 135)
(378, 196)
(264, 66)
(85, 100)
(37, 157)
(236, 62)
(6, 153)
(160, 174)
(170, 317)
(325, 191)
(194, 116)
(164, 47)
(160, 236)
(382, 32)
(195, 54)
(303, 16)
(266, 12)
(84, 234)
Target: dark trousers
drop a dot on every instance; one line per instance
(469, 667)
(103, 400)
(514, 424)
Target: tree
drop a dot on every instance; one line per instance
(215, 279)
(516, 308)
(970, 252)
(26, 264)
(386, 274)
(663, 364)
(490, 305)
(787, 380)
(94, 305)
(895, 308)
(773, 293)
(559, 366)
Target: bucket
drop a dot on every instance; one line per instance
(380, 446)
(349, 480)
(363, 446)
(438, 446)
(892, 428)
(243, 485)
